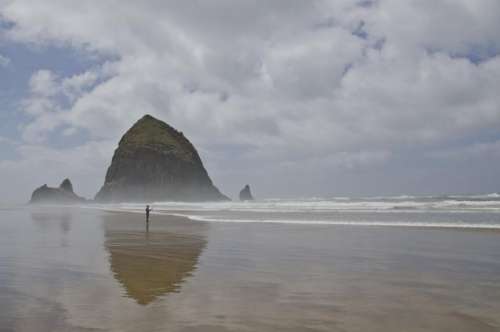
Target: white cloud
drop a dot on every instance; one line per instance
(48, 96)
(275, 83)
(4, 61)
(457, 26)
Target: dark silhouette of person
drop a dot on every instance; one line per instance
(148, 210)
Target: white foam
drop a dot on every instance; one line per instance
(342, 222)
(284, 206)
(328, 212)
(366, 223)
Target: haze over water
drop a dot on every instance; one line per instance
(81, 269)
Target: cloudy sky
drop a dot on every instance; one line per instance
(297, 98)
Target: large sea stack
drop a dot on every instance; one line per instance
(155, 162)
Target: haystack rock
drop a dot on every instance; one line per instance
(246, 194)
(155, 162)
(62, 195)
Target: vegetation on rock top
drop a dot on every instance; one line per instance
(152, 133)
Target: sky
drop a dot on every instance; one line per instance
(296, 98)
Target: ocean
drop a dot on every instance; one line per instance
(474, 211)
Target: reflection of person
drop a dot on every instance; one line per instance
(148, 210)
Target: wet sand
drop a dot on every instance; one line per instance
(89, 270)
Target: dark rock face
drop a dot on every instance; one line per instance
(246, 194)
(62, 195)
(155, 162)
(67, 185)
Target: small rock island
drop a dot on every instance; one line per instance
(246, 194)
(155, 162)
(64, 194)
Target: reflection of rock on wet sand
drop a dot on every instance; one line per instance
(149, 265)
(44, 218)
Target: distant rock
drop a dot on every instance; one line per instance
(155, 162)
(246, 194)
(67, 185)
(62, 195)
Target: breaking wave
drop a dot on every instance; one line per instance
(476, 211)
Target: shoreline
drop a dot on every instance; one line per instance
(313, 223)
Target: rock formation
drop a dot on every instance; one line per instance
(67, 185)
(62, 195)
(155, 162)
(246, 194)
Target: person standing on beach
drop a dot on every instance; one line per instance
(148, 210)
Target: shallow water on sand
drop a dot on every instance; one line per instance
(84, 270)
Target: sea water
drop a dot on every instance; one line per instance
(474, 211)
